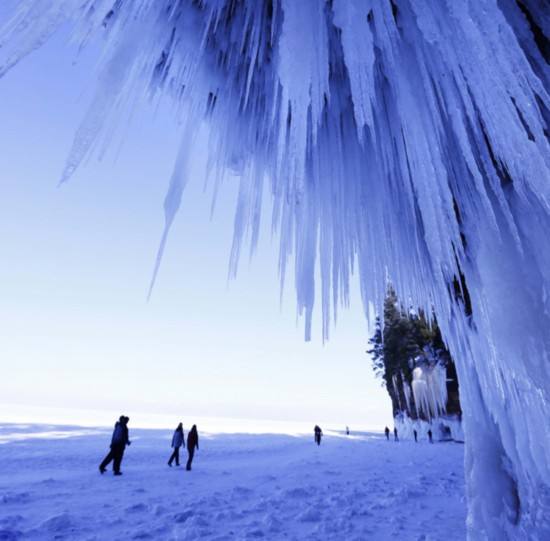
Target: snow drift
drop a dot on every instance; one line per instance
(407, 137)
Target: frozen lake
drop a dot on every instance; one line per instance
(242, 486)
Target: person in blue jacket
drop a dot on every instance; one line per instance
(177, 442)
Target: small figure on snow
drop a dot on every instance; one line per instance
(119, 441)
(415, 433)
(430, 435)
(192, 442)
(177, 442)
(387, 432)
(317, 434)
(395, 437)
(347, 430)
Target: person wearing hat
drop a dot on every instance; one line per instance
(119, 441)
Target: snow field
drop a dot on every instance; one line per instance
(241, 487)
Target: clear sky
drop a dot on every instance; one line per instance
(76, 332)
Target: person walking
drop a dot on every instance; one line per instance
(317, 434)
(387, 432)
(395, 437)
(192, 442)
(430, 435)
(415, 433)
(347, 430)
(119, 441)
(177, 442)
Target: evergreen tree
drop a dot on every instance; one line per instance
(377, 350)
(401, 341)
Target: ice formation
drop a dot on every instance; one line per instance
(429, 387)
(407, 137)
(428, 399)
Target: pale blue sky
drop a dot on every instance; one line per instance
(76, 331)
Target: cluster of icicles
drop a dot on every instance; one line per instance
(426, 395)
(408, 138)
(429, 388)
(354, 112)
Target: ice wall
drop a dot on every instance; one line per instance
(406, 137)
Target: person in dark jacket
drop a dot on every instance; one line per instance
(192, 442)
(119, 441)
(415, 434)
(177, 442)
(430, 436)
(387, 432)
(317, 434)
(395, 436)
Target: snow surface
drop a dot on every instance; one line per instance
(242, 486)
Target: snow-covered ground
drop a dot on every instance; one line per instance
(242, 486)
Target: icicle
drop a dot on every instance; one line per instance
(172, 201)
(406, 392)
(429, 387)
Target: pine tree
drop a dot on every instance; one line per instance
(377, 350)
(399, 342)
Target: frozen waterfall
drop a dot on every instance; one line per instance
(406, 137)
(429, 387)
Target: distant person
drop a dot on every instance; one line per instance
(387, 432)
(317, 434)
(192, 442)
(430, 435)
(119, 441)
(177, 442)
(347, 430)
(395, 437)
(415, 433)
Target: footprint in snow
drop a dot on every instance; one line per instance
(272, 524)
(236, 515)
(297, 493)
(260, 506)
(142, 535)
(242, 491)
(58, 523)
(137, 508)
(254, 534)
(215, 501)
(16, 497)
(10, 535)
(159, 510)
(48, 481)
(310, 515)
(10, 521)
(198, 521)
(183, 517)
